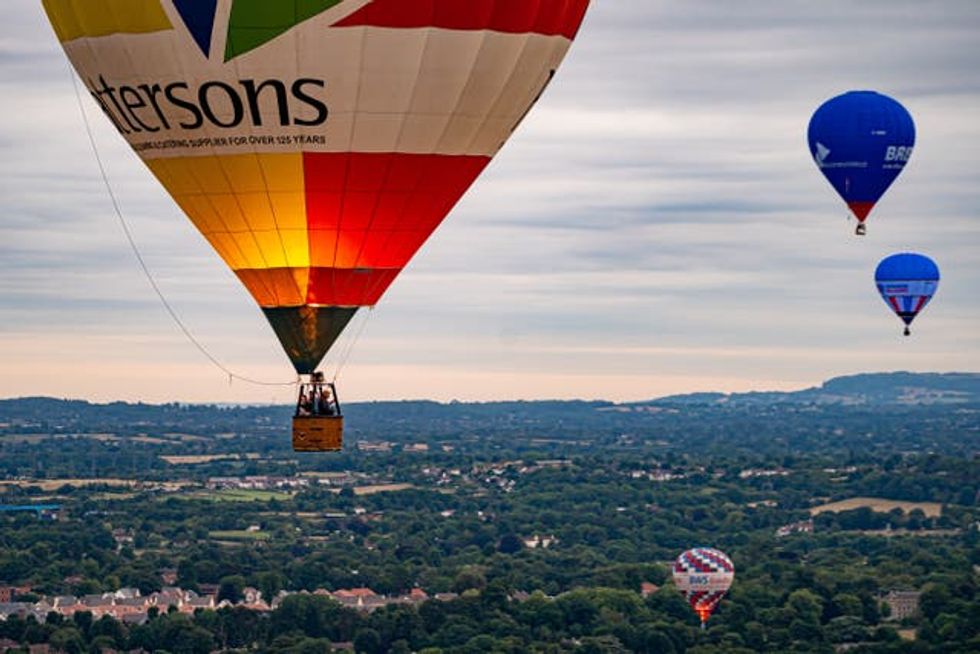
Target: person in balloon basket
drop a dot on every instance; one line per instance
(305, 405)
(326, 403)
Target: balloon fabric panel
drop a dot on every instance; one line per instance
(514, 16)
(73, 19)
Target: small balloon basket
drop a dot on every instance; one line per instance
(318, 424)
(318, 434)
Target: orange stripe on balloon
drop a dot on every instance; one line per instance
(327, 287)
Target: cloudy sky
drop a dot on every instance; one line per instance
(655, 227)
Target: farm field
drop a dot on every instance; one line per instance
(239, 535)
(235, 495)
(931, 509)
(373, 490)
(48, 485)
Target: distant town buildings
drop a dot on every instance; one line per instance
(368, 446)
(801, 527)
(647, 589)
(903, 604)
(543, 542)
(757, 472)
(658, 475)
(128, 605)
(258, 482)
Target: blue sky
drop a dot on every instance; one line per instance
(656, 226)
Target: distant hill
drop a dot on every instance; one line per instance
(880, 413)
(899, 388)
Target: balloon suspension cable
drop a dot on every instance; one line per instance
(350, 345)
(142, 263)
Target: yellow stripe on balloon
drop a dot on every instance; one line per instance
(251, 207)
(75, 19)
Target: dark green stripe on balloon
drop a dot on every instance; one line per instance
(256, 22)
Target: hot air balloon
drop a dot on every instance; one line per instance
(907, 282)
(316, 145)
(861, 141)
(704, 575)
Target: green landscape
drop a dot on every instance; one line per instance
(507, 527)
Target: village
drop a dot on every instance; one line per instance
(129, 606)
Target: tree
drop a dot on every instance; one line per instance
(805, 605)
(470, 577)
(845, 604)
(510, 544)
(269, 584)
(69, 640)
(368, 641)
(230, 588)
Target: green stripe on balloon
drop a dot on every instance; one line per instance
(254, 23)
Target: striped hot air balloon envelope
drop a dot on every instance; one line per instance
(906, 282)
(316, 144)
(704, 575)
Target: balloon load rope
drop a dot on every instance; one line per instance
(350, 345)
(232, 376)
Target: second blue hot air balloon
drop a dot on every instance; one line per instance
(907, 282)
(861, 141)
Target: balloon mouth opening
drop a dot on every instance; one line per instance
(704, 613)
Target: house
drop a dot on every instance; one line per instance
(208, 589)
(62, 601)
(536, 541)
(8, 609)
(647, 589)
(903, 604)
(801, 527)
(363, 599)
(135, 618)
(757, 472)
(205, 603)
(122, 537)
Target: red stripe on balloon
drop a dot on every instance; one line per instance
(861, 209)
(546, 17)
(367, 210)
(335, 287)
(369, 213)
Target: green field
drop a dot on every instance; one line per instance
(239, 496)
(239, 534)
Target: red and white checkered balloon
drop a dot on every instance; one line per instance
(704, 575)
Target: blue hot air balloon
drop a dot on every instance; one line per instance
(861, 141)
(907, 282)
